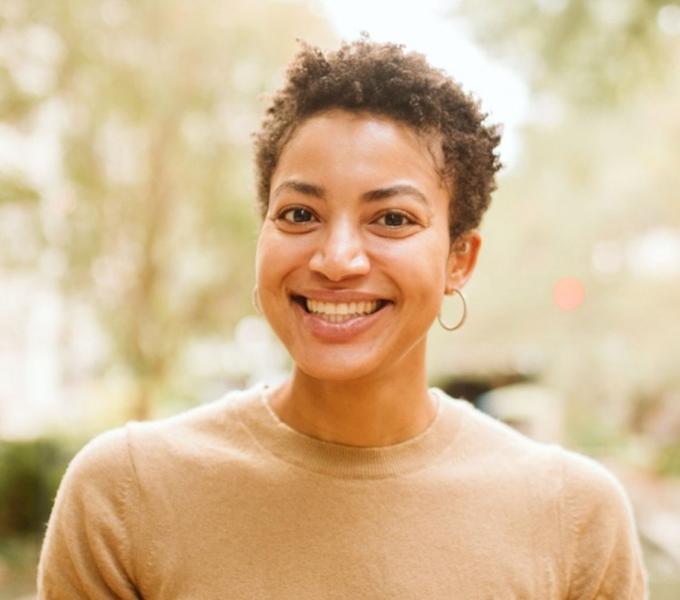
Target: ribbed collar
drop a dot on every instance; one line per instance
(350, 462)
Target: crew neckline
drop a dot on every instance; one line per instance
(351, 462)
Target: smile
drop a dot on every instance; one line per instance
(339, 312)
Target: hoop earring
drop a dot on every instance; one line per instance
(462, 319)
(255, 302)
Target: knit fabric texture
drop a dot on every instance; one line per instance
(227, 501)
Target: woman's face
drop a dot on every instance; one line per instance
(354, 254)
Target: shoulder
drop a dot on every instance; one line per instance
(202, 425)
(481, 437)
(583, 484)
(119, 452)
(102, 458)
(585, 478)
(601, 544)
(562, 475)
(584, 504)
(595, 501)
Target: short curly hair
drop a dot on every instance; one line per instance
(384, 80)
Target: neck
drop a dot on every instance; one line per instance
(377, 411)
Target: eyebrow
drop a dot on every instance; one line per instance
(309, 189)
(395, 190)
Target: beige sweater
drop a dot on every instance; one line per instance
(225, 501)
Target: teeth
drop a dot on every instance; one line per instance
(337, 312)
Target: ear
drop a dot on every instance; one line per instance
(462, 259)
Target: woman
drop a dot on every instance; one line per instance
(352, 479)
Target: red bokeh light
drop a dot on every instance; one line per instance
(568, 293)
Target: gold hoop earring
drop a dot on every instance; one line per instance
(462, 319)
(256, 304)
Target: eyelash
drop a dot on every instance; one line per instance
(409, 220)
(282, 217)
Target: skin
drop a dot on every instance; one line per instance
(357, 207)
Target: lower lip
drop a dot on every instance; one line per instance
(338, 332)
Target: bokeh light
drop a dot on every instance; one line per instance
(568, 293)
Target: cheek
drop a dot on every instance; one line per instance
(276, 257)
(417, 263)
(260, 259)
(266, 263)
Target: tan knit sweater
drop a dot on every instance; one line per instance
(226, 501)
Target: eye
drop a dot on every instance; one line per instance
(297, 214)
(394, 218)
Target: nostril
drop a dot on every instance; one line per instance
(342, 254)
(336, 267)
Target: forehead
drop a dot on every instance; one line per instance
(362, 141)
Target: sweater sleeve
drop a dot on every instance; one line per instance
(602, 550)
(87, 550)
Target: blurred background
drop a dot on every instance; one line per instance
(127, 227)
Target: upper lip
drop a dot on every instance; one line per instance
(338, 296)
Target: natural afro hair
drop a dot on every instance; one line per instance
(384, 80)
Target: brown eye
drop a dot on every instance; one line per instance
(297, 215)
(394, 219)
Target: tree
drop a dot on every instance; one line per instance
(586, 51)
(593, 197)
(149, 205)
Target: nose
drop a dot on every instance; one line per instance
(341, 253)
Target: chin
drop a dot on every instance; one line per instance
(336, 371)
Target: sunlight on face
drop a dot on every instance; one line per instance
(353, 255)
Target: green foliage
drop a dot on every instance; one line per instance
(595, 178)
(15, 189)
(30, 472)
(596, 437)
(18, 561)
(150, 207)
(668, 463)
(592, 51)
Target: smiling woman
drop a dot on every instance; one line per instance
(359, 222)
(353, 479)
